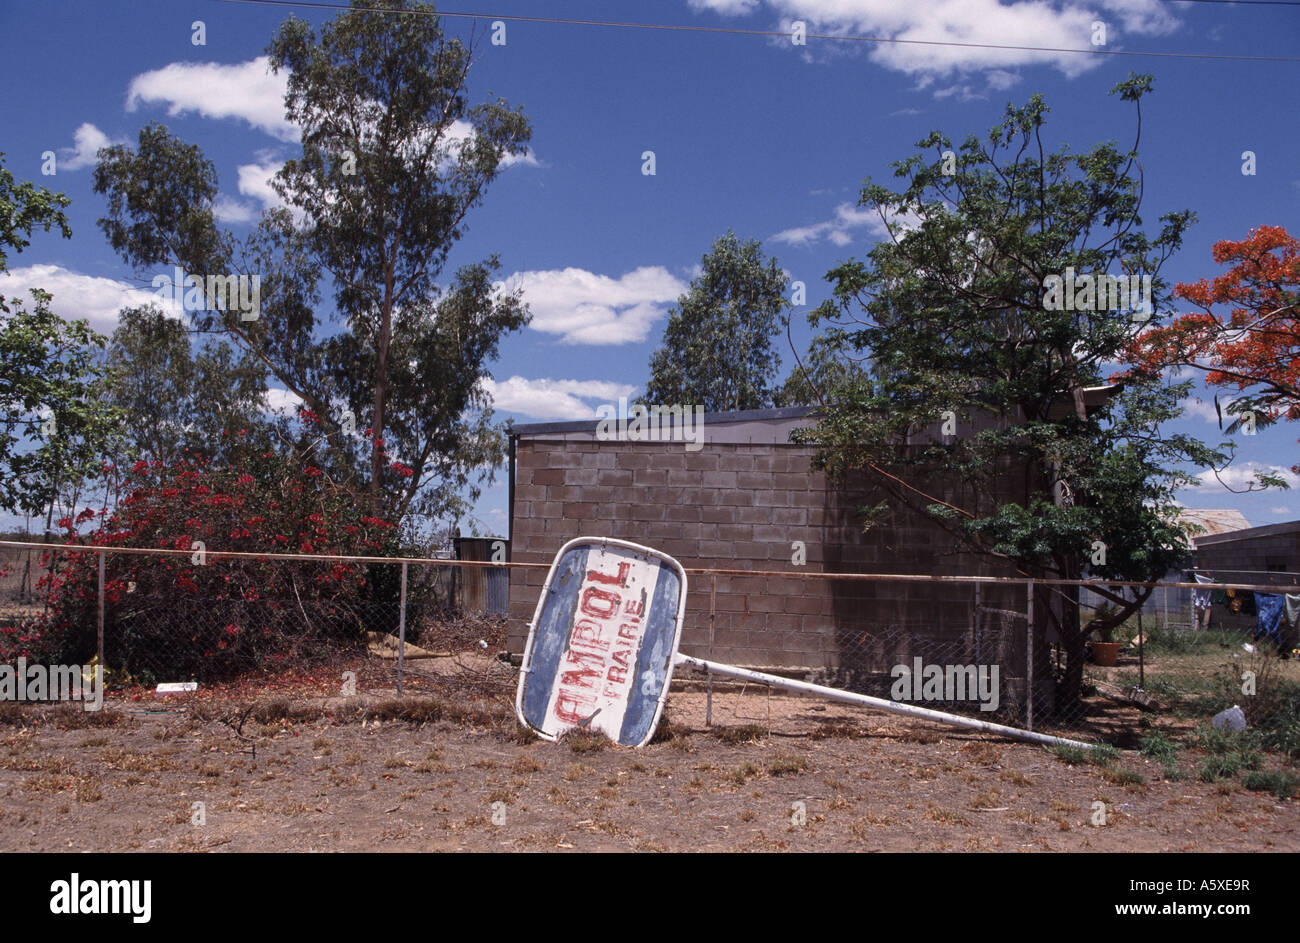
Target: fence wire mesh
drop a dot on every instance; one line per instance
(963, 647)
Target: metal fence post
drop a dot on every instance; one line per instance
(1142, 665)
(401, 632)
(100, 648)
(1029, 660)
(713, 602)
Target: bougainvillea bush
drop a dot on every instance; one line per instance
(195, 615)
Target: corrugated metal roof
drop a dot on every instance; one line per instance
(1250, 533)
(742, 416)
(1209, 521)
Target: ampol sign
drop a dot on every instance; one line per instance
(601, 646)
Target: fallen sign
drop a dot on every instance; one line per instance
(603, 644)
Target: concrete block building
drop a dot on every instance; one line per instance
(750, 500)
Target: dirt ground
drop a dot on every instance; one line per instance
(310, 770)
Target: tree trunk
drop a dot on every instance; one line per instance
(1069, 696)
(381, 393)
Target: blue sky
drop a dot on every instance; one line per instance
(750, 133)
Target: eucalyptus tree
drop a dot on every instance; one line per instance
(393, 158)
(718, 348)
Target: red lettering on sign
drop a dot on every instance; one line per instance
(589, 666)
(572, 708)
(620, 656)
(616, 675)
(634, 607)
(620, 580)
(592, 594)
(586, 632)
(582, 678)
(627, 631)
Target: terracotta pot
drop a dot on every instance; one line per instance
(1105, 653)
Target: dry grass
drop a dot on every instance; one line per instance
(585, 740)
(745, 733)
(784, 764)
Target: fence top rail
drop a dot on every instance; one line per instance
(1225, 569)
(696, 571)
(253, 555)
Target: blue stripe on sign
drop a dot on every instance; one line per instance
(551, 635)
(654, 659)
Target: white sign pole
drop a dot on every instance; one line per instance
(864, 700)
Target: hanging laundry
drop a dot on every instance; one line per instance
(1270, 607)
(1293, 608)
(1201, 598)
(1241, 601)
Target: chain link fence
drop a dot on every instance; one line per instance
(151, 617)
(983, 647)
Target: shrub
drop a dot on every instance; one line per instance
(187, 616)
(1282, 785)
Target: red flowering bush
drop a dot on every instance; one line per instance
(195, 615)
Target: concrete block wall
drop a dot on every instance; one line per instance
(742, 506)
(1259, 548)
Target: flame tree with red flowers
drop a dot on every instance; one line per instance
(1245, 333)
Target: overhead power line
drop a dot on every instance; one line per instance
(731, 31)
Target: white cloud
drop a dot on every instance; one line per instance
(726, 7)
(554, 399)
(254, 182)
(1238, 477)
(87, 140)
(246, 90)
(585, 308)
(839, 229)
(1033, 23)
(281, 401)
(961, 93)
(229, 210)
(460, 131)
(1280, 509)
(1199, 409)
(92, 297)
(1000, 79)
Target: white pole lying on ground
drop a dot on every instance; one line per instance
(865, 700)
